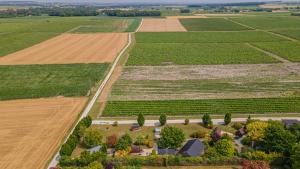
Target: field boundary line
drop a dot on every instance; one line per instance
(138, 29)
(89, 106)
(280, 35)
(73, 29)
(269, 53)
(240, 24)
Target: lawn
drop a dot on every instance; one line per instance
(27, 31)
(211, 24)
(34, 81)
(269, 22)
(190, 54)
(212, 106)
(287, 50)
(206, 37)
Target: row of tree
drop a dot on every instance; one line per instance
(131, 13)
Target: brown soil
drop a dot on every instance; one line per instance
(71, 48)
(31, 130)
(161, 25)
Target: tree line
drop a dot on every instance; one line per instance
(131, 13)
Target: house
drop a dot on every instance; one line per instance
(192, 148)
(166, 151)
(94, 149)
(241, 132)
(289, 122)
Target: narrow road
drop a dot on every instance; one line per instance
(88, 108)
(215, 121)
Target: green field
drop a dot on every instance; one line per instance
(34, 81)
(181, 107)
(293, 33)
(201, 53)
(211, 24)
(287, 50)
(27, 31)
(270, 22)
(206, 37)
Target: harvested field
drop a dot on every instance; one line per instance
(207, 82)
(70, 49)
(161, 25)
(32, 130)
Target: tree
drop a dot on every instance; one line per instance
(124, 142)
(163, 119)
(186, 121)
(65, 150)
(225, 148)
(111, 141)
(295, 156)
(94, 165)
(206, 120)
(227, 118)
(171, 137)
(256, 130)
(295, 130)
(141, 120)
(92, 137)
(277, 139)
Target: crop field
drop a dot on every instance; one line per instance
(33, 129)
(71, 48)
(211, 24)
(207, 82)
(161, 25)
(287, 50)
(195, 53)
(270, 22)
(181, 107)
(33, 81)
(25, 32)
(293, 33)
(206, 37)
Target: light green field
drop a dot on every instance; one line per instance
(34, 81)
(287, 50)
(211, 24)
(270, 22)
(193, 54)
(293, 33)
(212, 106)
(27, 31)
(206, 37)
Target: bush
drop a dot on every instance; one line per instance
(92, 137)
(66, 150)
(140, 140)
(186, 121)
(227, 118)
(163, 119)
(237, 125)
(150, 144)
(111, 141)
(295, 156)
(199, 134)
(206, 120)
(250, 164)
(171, 137)
(115, 124)
(260, 155)
(225, 148)
(141, 120)
(246, 141)
(124, 142)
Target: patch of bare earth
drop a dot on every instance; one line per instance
(32, 129)
(161, 25)
(71, 48)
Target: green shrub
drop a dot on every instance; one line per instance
(199, 134)
(246, 141)
(92, 137)
(163, 119)
(171, 137)
(186, 121)
(124, 142)
(206, 120)
(227, 118)
(141, 119)
(225, 148)
(237, 125)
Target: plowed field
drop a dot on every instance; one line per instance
(161, 25)
(71, 48)
(32, 130)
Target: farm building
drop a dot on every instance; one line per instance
(192, 148)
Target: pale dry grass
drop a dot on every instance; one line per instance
(31, 130)
(161, 25)
(71, 48)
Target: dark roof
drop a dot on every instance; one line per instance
(166, 151)
(192, 148)
(290, 121)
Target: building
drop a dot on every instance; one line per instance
(192, 148)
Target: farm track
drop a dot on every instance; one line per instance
(269, 53)
(54, 161)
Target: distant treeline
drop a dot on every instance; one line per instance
(295, 14)
(227, 4)
(130, 13)
(78, 11)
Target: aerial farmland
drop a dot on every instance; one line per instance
(99, 87)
